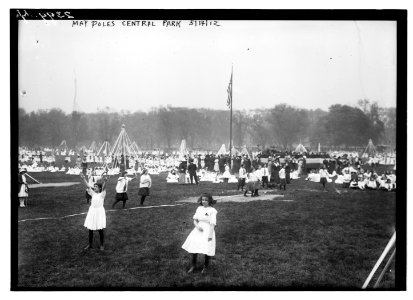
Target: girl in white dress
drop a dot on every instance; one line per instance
(23, 187)
(202, 238)
(96, 216)
(144, 185)
(227, 174)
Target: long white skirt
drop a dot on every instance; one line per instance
(22, 192)
(226, 174)
(197, 241)
(95, 218)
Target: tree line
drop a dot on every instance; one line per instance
(163, 128)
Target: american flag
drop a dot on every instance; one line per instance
(229, 90)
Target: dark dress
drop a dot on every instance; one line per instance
(287, 174)
(192, 173)
(275, 173)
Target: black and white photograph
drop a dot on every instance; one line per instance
(208, 150)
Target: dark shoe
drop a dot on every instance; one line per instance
(191, 270)
(245, 195)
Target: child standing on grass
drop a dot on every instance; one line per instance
(96, 216)
(201, 240)
(282, 177)
(122, 188)
(323, 176)
(241, 178)
(144, 185)
(23, 187)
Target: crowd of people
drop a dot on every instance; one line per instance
(356, 178)
(261, 169)
(251, 173)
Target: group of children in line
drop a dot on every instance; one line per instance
(256, 178)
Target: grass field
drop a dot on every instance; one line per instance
(320, 240)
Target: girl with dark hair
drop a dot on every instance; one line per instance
(23, 187)
(96, 216)
(144, 185)
(201, 240)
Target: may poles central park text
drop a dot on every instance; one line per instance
(146, 23)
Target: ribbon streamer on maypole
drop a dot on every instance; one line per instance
(104, 150)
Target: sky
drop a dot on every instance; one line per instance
(307, 64)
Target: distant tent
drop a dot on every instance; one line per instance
(104, 149)
(183, 150)
(93, 147)
(222, 150)
(234, 151)
(300, 149)
(83, 149)
(370, 149)
(244, 151)
(63, 145)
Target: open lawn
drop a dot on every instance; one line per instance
(317, 240)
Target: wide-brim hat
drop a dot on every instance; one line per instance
(22, 170)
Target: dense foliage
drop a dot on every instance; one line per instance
(281, 126)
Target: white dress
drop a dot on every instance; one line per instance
(226, 174)
(22, 191)
(197, 241)
(216, 165)
(96, 216)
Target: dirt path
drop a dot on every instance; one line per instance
(52, 184)
(241, 198)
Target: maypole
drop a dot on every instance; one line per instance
(229, 104)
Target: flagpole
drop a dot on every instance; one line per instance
(230, 122)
